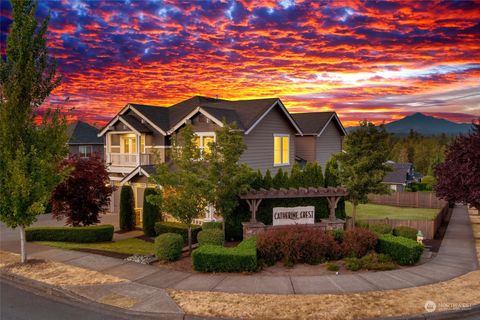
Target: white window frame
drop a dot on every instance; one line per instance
(201, 135)
(87, 154)
(281, 135)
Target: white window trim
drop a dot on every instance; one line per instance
(201, 135)
(87, 147)
(281, 151)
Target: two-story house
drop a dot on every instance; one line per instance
(83, 140)
(139, 133)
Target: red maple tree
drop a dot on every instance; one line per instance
(84, 194)
(459, 176)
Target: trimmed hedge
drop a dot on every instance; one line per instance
(168, 246)
(381, 228)
(151, 212)
(211, 236)
(127, 211)
(210, 258)
(178, 228)
(404, 251)
(99, 233)
(211, 225)
(406, 232)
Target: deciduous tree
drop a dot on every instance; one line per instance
(30, 153)
(184, 181)
(458, 178)
(362, 164)
(84, 194)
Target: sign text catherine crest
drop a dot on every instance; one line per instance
(293, 215)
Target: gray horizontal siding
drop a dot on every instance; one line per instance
(259, 153)
(328, 143)
(305, 147)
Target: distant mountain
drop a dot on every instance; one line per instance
(425, 125)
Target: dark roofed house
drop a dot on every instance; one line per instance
(402, 175)
(270, 132)
(322, 135)
(83, 140)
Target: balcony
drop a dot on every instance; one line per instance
(129, 159)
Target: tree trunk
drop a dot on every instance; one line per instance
(354, 214)
(23, 249)
(189, 239)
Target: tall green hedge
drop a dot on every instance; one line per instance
(310, 176)
(151, 212)
(98, 233)
(127, 211)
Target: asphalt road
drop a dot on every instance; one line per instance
(18, 304)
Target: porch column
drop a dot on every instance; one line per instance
(138, 150)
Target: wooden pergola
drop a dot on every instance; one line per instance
(255, 197)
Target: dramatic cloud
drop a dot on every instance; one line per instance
(377, 60)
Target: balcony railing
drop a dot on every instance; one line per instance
(129, 160)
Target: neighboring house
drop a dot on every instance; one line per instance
(322, 135)
(401, 176)
(83, 140)
(139, 133)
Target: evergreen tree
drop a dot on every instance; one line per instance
(127, 210)
(151, 211)
(280, 180)
(331, 173)
(296, 176)
(267, 180)
(257, 181)
(30, 154)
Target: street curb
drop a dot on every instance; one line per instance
(71, 298)
(444, 315)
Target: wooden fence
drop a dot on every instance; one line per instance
(408, 199)
(428, 227)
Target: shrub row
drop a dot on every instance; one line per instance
(385, 228)
(179, 228)
(211, 258)
(301, 244)
(402, 250)
(211, 236)
(99, 233)
(168, 246)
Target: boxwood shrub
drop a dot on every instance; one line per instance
(406, 232)
(178, 228)
(404, 251)
(211, 236)
(211, 258)
(212, 225)
(99, 233)
(168, 246)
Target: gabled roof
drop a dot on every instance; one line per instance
(245, 113)
(398, 175)
(80, 132)
(314, 123)
(137, 125)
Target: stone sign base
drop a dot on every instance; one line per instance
(254, 228)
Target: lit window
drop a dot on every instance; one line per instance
(85, 151)
(203, 142)
(281, 150)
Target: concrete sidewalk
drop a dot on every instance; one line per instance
(456, 256)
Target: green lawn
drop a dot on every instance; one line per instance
(376, 211)
(127, 246)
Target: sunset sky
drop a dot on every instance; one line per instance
(365, 60)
